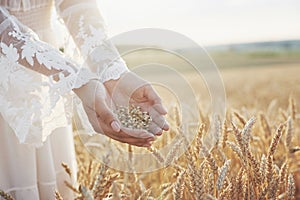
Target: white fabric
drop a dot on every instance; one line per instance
(33, 173)
(29, 109)
(23, 5)
(87, 27)
(35, 84)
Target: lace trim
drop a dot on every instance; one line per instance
(91, 38)
(33, 187)
(34, 111)
(32, 48)
(100, 52)
(24, 5)
(114, 71)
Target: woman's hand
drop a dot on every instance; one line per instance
(131, 89)
(95, 102)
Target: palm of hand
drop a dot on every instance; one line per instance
(132, 90)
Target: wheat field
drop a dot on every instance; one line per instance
(256, 155)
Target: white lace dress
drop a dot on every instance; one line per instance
(35, 90)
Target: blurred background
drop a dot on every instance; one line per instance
(245, 38)
(209, 22)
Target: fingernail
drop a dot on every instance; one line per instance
(115, 126)
(164, 109)
(159, 134)
(158, 131)
(166, 126)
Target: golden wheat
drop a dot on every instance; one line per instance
(249, 163)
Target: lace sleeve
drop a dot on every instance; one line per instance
(87, 28)
(34, 77)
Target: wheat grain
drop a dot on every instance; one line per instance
(218, 129)
(177, 116)
(272, 188)
(211, 161)
(240, 118)
(67, 169)
(145, 194)
(283, 114)
(233, 189)
(165, 191)
(255, 167)
(239, 183)
(269, 172)
(156, 154)
(294, 149)
(246, 132)
(236, 149)
(222, 175)
(239, 139)
(69, 185)
(99, 184)
(225, 134)
(178, 187)
(5, 195)
(290, 187)
(173, 153)
(196, 181)
(57, 195)
(133, 117)
(275, 140)
(199, 142)
(262, 167)
(289, 134)
(292, 106)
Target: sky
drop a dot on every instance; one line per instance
(208, 22)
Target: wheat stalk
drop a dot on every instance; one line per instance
(289, 134)
(172, 154)
(156, 154)
(5, 195)
(225, 134)
(178, 187)
(222, 174)
(86, 193)
(67, 169)
(290, 187)
(275, 141)
(240, 118)
(57, 195)
(265, 125)
(292, 106)
(246, 132)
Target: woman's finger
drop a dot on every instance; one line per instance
(124, 138)
(158, 119)
(106, 115)
(137, 133)
(160, 108)
(156, 130)
(153, 96)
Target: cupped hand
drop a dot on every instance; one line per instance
(131, 89)
(95, 102)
